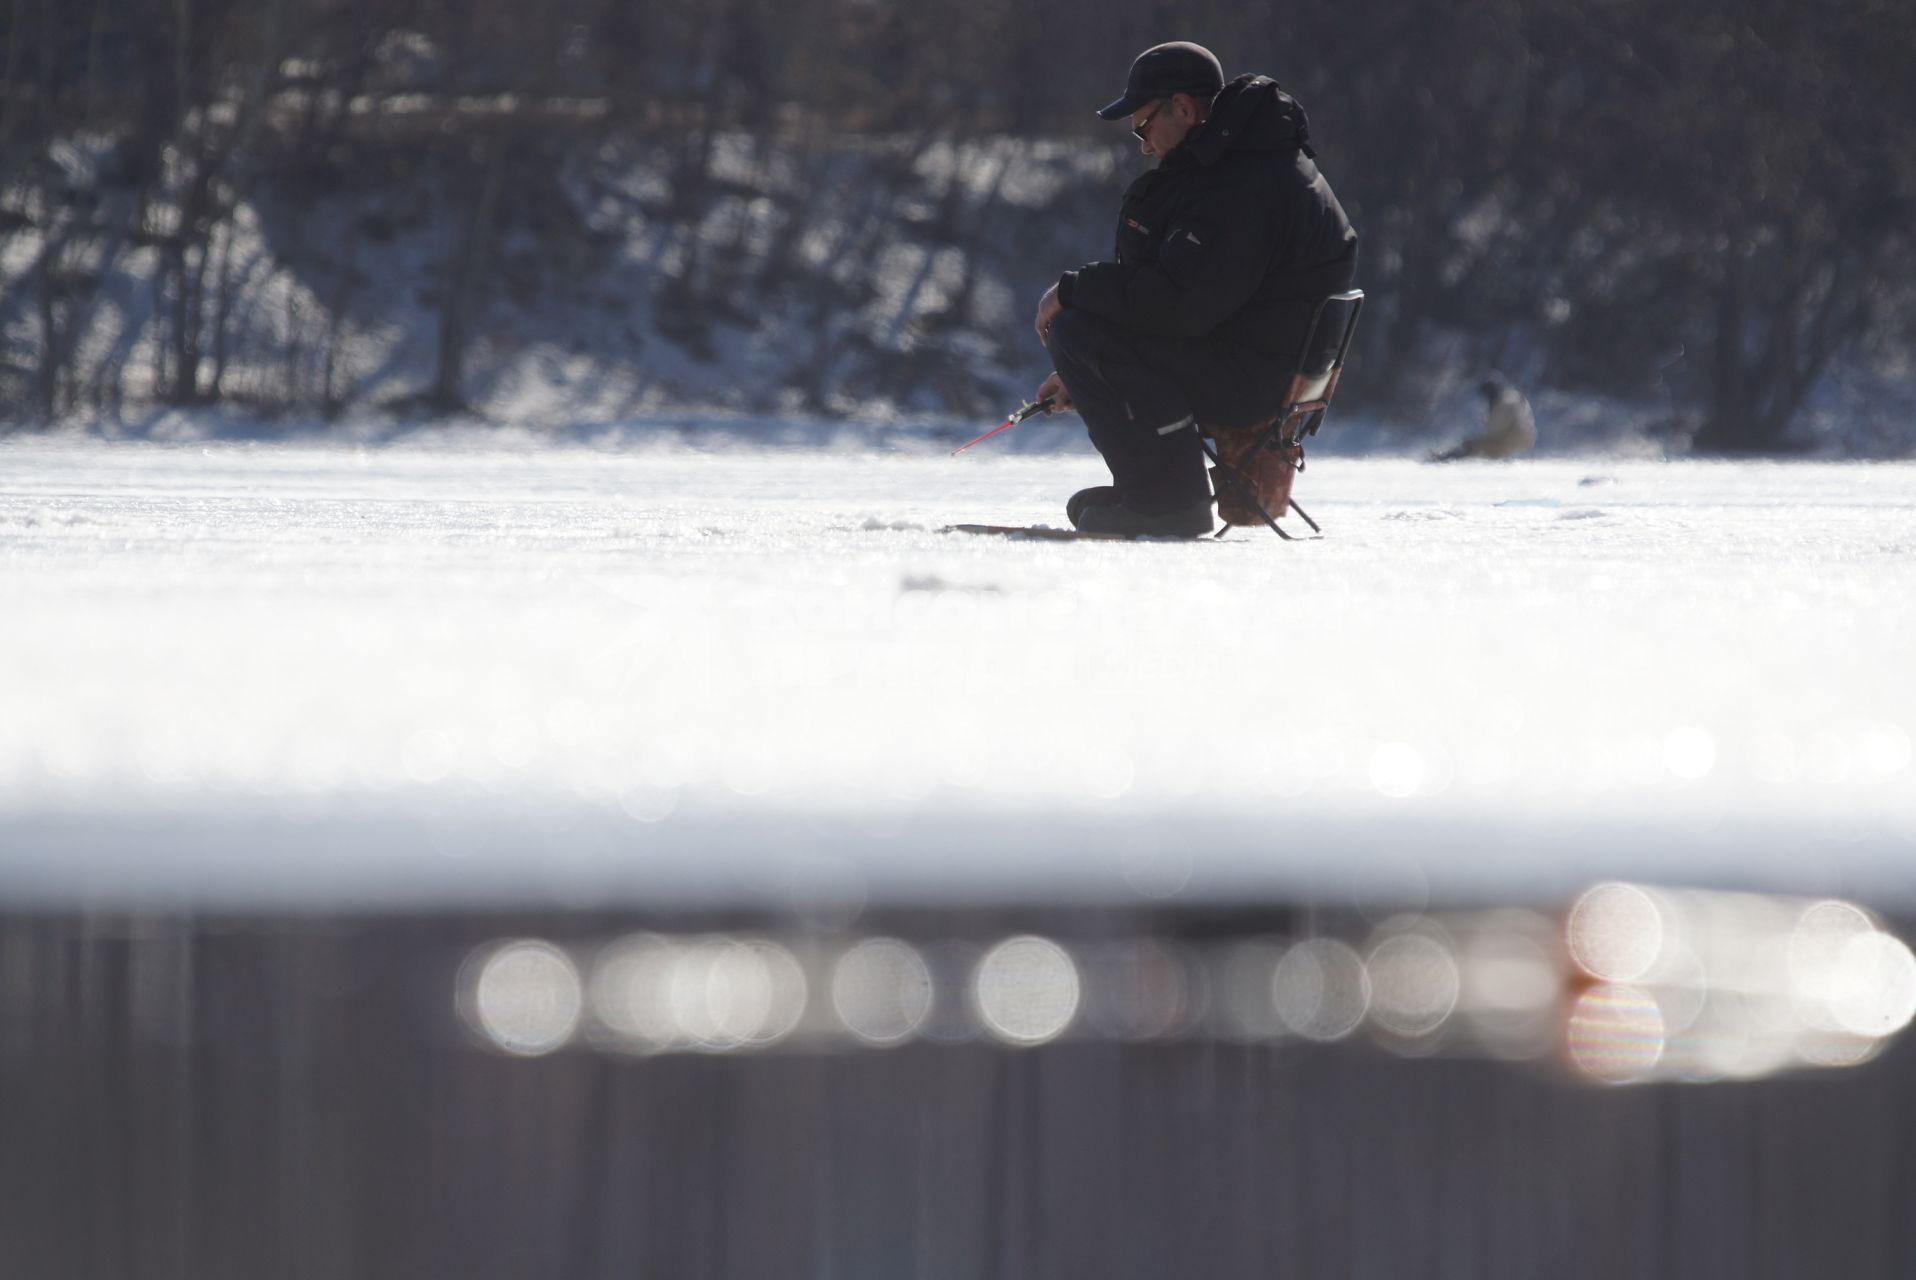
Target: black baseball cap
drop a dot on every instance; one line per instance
(1165, 69)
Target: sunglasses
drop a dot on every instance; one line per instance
(1144, 126)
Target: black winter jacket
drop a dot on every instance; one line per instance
(1234, 236)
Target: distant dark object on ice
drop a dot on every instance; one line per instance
(1508, 430)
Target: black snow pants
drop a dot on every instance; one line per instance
(1141, 397)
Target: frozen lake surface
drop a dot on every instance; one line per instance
(468, 673)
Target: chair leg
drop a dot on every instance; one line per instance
(1248, 493)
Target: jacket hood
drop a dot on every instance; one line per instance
(1252, 114)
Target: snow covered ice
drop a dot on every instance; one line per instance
(488, 670)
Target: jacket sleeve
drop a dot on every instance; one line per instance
(1209, 263)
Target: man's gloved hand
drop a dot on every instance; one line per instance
(1052, 389)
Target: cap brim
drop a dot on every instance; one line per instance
(1122, 107)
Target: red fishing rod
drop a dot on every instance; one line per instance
(1024, 411)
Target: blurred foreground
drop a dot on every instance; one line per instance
(950, 1093)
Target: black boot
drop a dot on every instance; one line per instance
(1074, 507)
(1115, 517)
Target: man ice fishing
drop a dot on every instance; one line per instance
(1223, 251)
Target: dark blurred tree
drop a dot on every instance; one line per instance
(1600, 193)
(1788, 227)
(51, 65)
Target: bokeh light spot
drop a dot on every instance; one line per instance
(1615, 932)
(631, 992)
(1320, 989)
(1026, 990)
(789, 991)
(1397, 770)
(1877, 991)
(727, 994)
(523, 997)
(1838, 1049)
(646, 803)
(1615, 1033)
(1511, 986)
(1414, 984)
(882, 991)
(1815, 958)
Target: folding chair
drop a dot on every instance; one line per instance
(1254, 467)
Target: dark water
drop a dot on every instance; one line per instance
(236, 1097)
